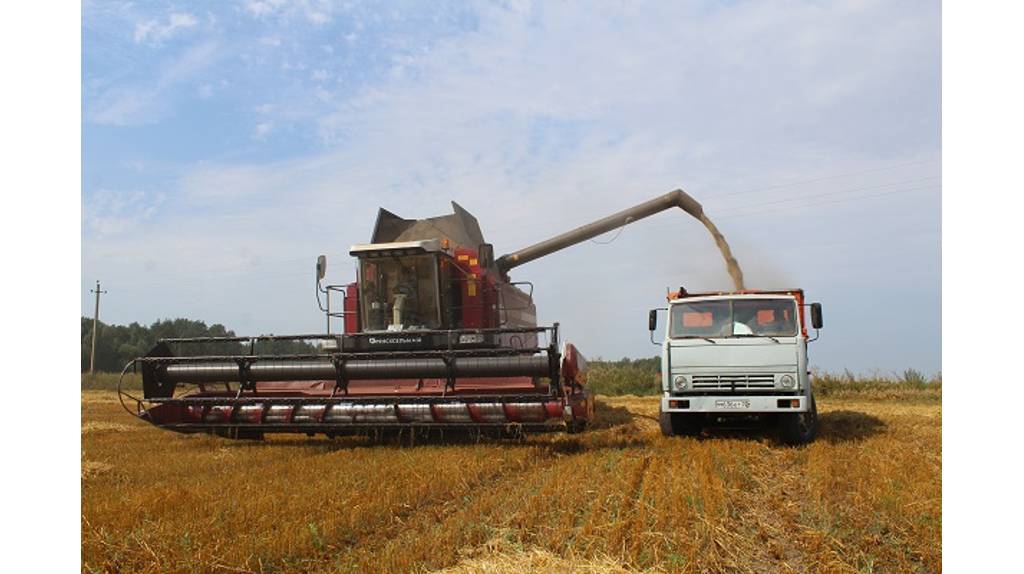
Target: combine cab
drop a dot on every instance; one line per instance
(436, 335)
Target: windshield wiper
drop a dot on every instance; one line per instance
(712, 341)
(776, 341)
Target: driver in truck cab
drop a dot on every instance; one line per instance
(769, 319)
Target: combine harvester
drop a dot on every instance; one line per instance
(436, 335)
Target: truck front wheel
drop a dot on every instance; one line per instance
(679, 424)
(799, 428)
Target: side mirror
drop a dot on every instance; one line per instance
(652, 320)
(485, 255)
(321, 267)
(816, 315)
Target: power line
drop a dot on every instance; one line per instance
(727, 214)
(825, 178)
(256, 267)
(198, 279)
(617, 233)
(829, 194)
(519, 237)
(841, 200)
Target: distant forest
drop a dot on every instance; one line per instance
(118, 344)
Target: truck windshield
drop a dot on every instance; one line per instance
(734, 318)
(399, 293)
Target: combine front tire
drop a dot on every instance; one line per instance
(240, 434)
(577, 426)
(799, 428)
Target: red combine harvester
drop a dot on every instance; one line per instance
(436, 335)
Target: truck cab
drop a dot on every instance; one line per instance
(737, 356)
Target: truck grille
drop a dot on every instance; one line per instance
(706, 382)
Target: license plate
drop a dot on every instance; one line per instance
(732, 404)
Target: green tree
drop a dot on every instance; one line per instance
(116, 345)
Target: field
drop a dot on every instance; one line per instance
(866, 497)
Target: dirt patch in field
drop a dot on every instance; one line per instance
(92, 469)
(538, 560)
(99, 397)
(100, 426)
(500, 556)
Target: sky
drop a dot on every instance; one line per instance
(226, 145)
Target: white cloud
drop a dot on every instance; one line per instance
(152, 31)
(145, 102)
(261, 8)
(142, 30)
(263, 129)
(316, 12)
(543, 117)
(114, 213)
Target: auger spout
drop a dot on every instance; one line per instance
(677, 198)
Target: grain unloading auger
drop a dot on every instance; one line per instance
(436, 335)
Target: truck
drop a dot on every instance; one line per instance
(737, 357)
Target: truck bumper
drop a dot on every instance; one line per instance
(733, 404)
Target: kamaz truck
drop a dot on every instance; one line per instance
(737, 358)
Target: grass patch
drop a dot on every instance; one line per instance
(108, 381)
(642, 377)
(911, 385)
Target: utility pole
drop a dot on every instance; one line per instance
(95, 324)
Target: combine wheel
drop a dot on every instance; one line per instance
(799, 428)
(237, 433)
(577, 426)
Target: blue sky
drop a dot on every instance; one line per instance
(226, 145)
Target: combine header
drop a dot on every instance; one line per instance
(436, 335)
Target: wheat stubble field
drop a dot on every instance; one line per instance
(866, 497)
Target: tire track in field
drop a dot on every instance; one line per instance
(775, 525)
(632, 531)
(494, 511)
(440, 510)
(417, 522)
(439, 506)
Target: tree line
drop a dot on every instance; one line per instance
(625, 376)
(116, 345)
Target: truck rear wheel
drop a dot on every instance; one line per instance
(679, 424)
(799, 428)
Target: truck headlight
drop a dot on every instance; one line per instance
(679, 382)
(787, 381)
